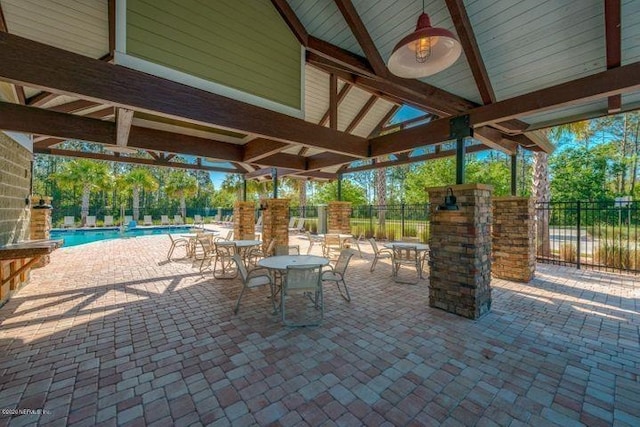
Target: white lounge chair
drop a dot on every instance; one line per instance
(164, 220)
(91, 221)
(127, 219)
(197, 220)
(69, 222)
(148, 220)
(108, 220)
(177, 220)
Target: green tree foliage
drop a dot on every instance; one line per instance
(135, 181)
(180, 185)
(84, 176)
(579, 173)
(328, 192)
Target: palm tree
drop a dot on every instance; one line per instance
(86, 175)
(381, 189)
(180, 185)
(139, 179)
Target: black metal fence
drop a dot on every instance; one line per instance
(599, 235)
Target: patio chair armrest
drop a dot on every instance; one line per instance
(262, 270)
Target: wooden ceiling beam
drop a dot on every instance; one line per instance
(68, 126)
(617, 80)
(284, 160)
(31, 63)
(470, 47)
(324, 160)
(383, 122)
(260, 148)
(333, 101)
(101, 114)
(350, 15)
(73, 106)
(613, 37)
(124, 119)
(40, 99)
(48, 142)
(438, 154)
(493, 138)
(18, 90)
(292, 21)
(363, 112)
(126, 159)
(341, 95)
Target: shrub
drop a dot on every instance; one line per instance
(410, 231)
(611, 254)
(569, 253)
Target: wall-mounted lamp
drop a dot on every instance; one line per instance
(263, 206)
(42, 205)
(449, 202)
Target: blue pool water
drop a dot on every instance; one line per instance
(80, 237)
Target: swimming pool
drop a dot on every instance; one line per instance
(80, 237)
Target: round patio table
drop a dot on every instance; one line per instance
(422, 249)
(281, 262)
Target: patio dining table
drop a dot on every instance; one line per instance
(421, 248)
(244, 246)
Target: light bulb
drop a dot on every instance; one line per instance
(423, 47)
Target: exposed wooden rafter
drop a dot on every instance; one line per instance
(361, 34)
(612, 12)
(384, 121)
(363, 112)
(126, 159)
(291, 20)
(124, 119)
(18, 90)
(111, 16)
(601, 85)
(333, 101)
(405, 159)
(341, 95)
(27, 62)
(260, 148)
(44, 122)
(470, 47)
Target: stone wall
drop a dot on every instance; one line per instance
(244, 224)
(15, 186)
(275, 222)
(460, 251)
(339, 217)
(514, 256)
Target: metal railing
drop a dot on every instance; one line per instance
(598, 235)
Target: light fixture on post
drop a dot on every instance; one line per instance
(424, 52)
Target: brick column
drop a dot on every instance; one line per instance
(244, 224)
(514, 252)
(40, 225)
(275, 222)
(339, 217)
(460, 245)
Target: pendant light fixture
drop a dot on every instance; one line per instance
(424, 52)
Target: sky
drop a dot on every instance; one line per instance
(404, 113)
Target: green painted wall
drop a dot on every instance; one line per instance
(243, 44)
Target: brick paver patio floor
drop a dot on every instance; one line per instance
(112, 334)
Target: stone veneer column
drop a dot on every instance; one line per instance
(40, 225)
(514, 252)
(339, 217)
(460, 246)
(244, 224)
(275, 222)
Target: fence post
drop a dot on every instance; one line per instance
(371, 220)
(578, 231)
(402, 220)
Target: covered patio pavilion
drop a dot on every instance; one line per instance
(112, 334)
(131, 339)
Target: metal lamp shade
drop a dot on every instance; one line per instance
(444, 51)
